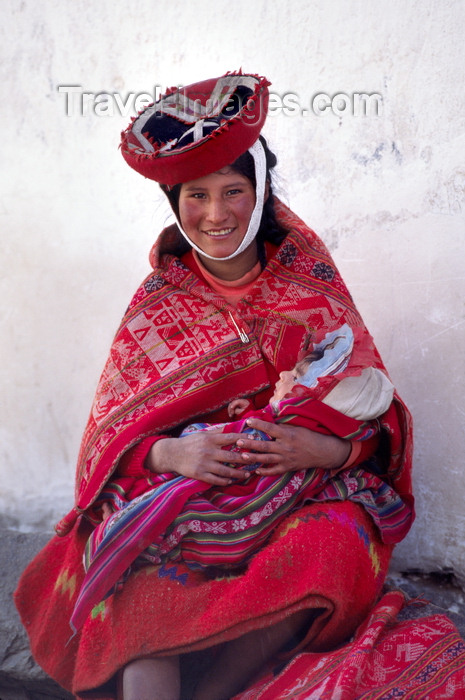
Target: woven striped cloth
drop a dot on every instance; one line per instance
(187, 520)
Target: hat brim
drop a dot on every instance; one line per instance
(155, 155)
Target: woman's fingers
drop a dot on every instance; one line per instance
(293, 448)
(274, 430)
(199, 456)
(216, 479)
(204, 458)
(220, 470)
(271, 470)
(224, 439)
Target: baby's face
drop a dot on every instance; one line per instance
(287, 380)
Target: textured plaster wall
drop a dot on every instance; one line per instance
(386, 193)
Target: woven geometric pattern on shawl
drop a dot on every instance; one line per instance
(177, 345)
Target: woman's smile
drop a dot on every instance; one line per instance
(221, 232)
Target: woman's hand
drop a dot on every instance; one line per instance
(292, 448)
(199, 456)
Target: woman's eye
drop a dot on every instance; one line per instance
(236, 191)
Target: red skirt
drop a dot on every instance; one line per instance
(327, 556)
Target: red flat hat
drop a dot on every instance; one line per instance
(195, 130)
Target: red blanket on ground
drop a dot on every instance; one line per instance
(421, 659)
(177, 358)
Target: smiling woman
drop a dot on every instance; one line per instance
(239, 285)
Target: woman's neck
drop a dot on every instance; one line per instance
(235, 268)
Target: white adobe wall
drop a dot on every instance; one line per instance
(385, 192)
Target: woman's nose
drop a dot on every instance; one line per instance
(217, 211)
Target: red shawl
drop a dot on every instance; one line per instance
(177, 356)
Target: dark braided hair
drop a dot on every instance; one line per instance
(269, 230)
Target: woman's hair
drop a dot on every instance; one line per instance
(269, 229)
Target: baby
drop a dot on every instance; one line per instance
(363, 396)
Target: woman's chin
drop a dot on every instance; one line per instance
(220, 248)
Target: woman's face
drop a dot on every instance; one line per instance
(215, 210)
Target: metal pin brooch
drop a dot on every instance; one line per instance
(242, 335)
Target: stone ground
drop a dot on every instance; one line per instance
(22, 679)
(438, 589)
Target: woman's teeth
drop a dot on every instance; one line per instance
(221, 232)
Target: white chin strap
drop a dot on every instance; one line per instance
(258, 154)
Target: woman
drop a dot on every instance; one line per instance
(238, 285)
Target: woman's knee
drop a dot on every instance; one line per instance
(147, 679)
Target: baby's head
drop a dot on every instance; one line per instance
(324, 358)
(289, 378)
